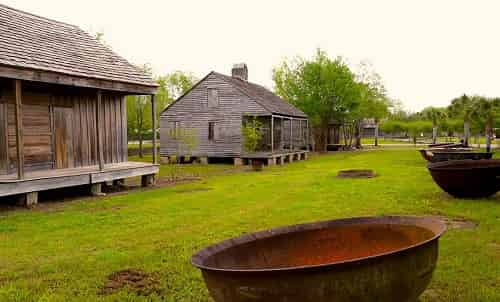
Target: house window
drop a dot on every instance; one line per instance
(213, 97)
(211, 131)
(174, 129)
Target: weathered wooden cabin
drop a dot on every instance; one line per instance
(62, 108)
(206, 122)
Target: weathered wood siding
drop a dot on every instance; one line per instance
(193, 113)
(75, 106)
(3, 137)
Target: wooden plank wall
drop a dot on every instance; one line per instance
(37, 131)
(85, 137)
(38, 124)
(3, 137)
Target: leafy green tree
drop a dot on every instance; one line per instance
(462, 108)
(394, 127)
(139, 118)
(417, 128)
(373, 104)
(486, 110)
(324, 88)
(252, 134)
(172, 86)
(436, 116)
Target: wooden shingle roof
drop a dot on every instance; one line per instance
(37, 43)
(263, 96)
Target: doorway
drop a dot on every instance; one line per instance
(63, 137)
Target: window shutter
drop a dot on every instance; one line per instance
(213, 97)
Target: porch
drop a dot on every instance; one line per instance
(275, 158)
(283, 134)
(35, 181)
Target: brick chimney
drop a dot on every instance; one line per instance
(240, 71)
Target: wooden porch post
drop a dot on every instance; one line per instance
(153, 112)
(98, 130)
(19, 129)
(307, 134)
(272, 133)
(291, 134)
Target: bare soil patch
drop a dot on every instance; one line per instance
(356, 173)
(135, 280)
(458, 223)
(192, 190)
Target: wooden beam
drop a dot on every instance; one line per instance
(307, 134)
(153, 119)
(153, 112)
(272, 133)
(98, 126)
(78, 81)
(18, 112)
(291, 134)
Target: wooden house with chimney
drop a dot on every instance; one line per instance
(62, 108)
(206, 122)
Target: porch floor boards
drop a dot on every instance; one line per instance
(36, 181)
(44, 174)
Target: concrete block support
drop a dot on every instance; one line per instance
(96, 189)
(203, 160)
(165, 160)
(28, 200)
(148, 180)
(271, 161)
(238, 161)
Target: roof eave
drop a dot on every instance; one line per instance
(53, 77)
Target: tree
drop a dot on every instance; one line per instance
(172, 86)
(486, 110)
(435, 115)
(416, 128)
(374, 102)
(462, 108)
(139, 119)
(324, 88)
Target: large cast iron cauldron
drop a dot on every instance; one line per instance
(467, 178)
(438, 155)
(357, 259)
(446, 145)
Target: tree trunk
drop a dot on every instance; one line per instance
(358, 131)
(466, 133)
(141, 154)
(320, 138)
(434, 134)
(376, 134)
(488, 136)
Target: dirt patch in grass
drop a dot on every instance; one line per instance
(458, 223)
(356, 173)
(135, 280)
(192, 190)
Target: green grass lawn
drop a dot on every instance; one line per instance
(66, 252)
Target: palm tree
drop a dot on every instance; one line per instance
(435, 115)
(486, 110)
(463, 107)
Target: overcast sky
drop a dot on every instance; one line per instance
(426, 51)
